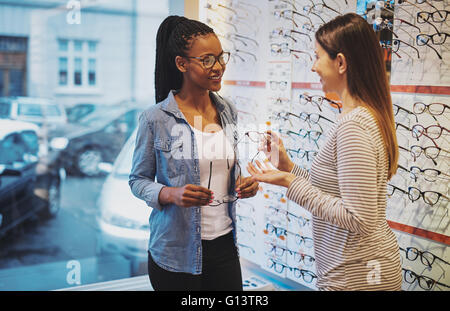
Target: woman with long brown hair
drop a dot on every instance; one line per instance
(345, 189)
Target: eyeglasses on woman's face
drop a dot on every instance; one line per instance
(209, 61)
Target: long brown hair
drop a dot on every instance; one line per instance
(367, 80)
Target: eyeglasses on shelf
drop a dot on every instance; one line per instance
(433, 131)
(425, 282)
(438, 16)
(436, 39)
(431, 152)
(426, 257)
(430, 174)
(308, 276)
(435, 109)
(318, 100)
(300, 153)
(279, 251)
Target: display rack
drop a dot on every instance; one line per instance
(270, 81)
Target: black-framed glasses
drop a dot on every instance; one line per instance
(318, 100)
(425, 282)
(391, 189)
(429, 197)
(396, 45)
(435, 109)
(426, 257)
(310, 118)
(422, 39)
(308, 276)
(228, 198)
(438, 16)
(430, 174)
(402, 21)
(398, 108)
(209, 61)
(436, 39)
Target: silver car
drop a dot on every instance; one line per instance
(40, 111)
(123, 218)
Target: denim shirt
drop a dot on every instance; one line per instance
(166, 149)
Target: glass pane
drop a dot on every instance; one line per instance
(52, 111)
(62, 71)
(5, 109)
(16, 82)
(63, 45)
(78, 45)
(30, 110)
(92, 46)
(92, 64)
(77, 71)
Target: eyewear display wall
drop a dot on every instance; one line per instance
(292, 105)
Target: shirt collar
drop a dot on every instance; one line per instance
(171, 105)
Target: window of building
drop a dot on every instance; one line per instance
(77, 63)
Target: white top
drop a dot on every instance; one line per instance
(215, 148)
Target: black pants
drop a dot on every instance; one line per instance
(221, 270)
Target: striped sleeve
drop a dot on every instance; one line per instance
(300, 172)
(356, 208)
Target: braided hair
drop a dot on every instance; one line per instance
(174, 39)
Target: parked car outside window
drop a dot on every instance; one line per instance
(40, 111)
(123, 218)
(96, 138)
(30, 176)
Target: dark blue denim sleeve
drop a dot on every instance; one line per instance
(142, 176)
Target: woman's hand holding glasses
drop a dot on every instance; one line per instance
(275, 152)
(186, 196)
(246, 187)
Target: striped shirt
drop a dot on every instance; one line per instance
(345, 191)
